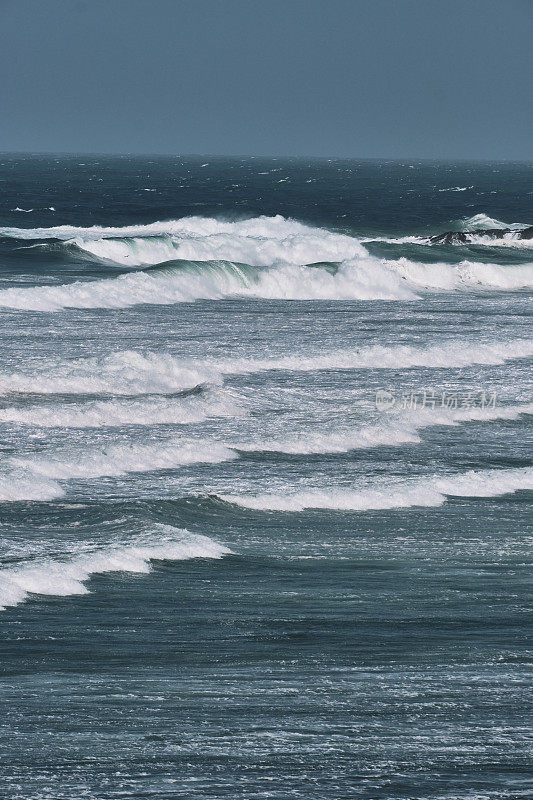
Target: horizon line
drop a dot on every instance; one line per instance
(394, 159)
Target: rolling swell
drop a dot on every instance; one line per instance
(36, 476)
(152, 410)
(379, 575)
(364, 279)
(367, 279)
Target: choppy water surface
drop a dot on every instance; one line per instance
(265, 479)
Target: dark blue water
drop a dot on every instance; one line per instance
(265, 479)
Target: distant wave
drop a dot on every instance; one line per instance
(466, 276)
(283, 234)
(260, 241)
(428, 491)
(483, 222)
(474, 231)
(66, 577)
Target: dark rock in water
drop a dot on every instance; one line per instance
(450, 237)
(465, 237)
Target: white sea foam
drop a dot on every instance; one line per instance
(429, 491)
(64, 577)
(427, 417)
(365, 278)
(484, 222)
(260, 242)
(473, 228)
(263, 228)
(121, 459)
(309, 442)
(466, 276)
(279, 249)
(23, 485)
(456, 189)
(509, 239)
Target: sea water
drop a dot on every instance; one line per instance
(265, 479)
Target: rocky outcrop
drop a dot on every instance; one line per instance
(466, 237)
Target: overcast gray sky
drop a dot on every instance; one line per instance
(351, 78)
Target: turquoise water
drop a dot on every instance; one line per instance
(265, 481)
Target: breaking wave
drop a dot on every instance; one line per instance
(474, 230)
(35, 478)
(483, 222)
(334, 442)
(265, 257)
(365, 279)
(430, 491)
(65, 577)
(362, 279)
(468, 275)
(261, 241)
(20, 485)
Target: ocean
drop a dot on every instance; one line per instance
(265, 479)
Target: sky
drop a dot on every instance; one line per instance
(438, 79)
